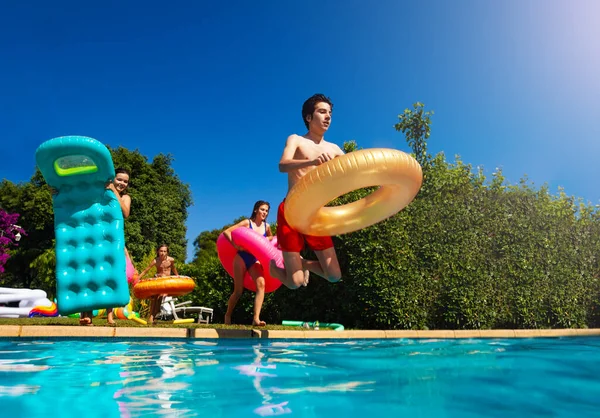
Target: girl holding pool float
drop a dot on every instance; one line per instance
(244, 262)
(119, 187)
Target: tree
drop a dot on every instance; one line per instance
(159, 204)
(350, 146)
(415, 125)
(205, 244)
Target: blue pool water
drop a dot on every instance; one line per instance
(334, 378)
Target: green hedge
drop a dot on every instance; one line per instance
(468, 253)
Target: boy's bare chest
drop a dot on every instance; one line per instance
(311, 150)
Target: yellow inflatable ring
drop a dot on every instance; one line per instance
(399, 175)
(167, 285)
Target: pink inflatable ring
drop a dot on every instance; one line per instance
(257, 245)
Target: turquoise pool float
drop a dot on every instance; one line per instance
(88, 222)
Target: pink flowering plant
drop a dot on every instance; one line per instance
(9, 235)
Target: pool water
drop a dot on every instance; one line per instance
(557, 377)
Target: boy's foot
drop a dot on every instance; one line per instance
(85, 321)
(274, 272)
(227, 319)
(306, 276)
(258, 323)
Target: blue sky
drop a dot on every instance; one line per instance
(219, 85)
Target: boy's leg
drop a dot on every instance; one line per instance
(159, 302)
(153, 304)
(328, 266)
(293, 276)
(314, 266)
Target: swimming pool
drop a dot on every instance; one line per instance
(558, 377)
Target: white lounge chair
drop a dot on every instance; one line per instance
(171, 310)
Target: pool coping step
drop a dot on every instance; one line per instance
(35, 331)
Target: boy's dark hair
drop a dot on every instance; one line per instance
(308, 108)
(122, 170)
(257, 205)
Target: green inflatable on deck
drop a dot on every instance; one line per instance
(90, 240)
(333, 326)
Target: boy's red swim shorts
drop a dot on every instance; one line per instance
(292, 241)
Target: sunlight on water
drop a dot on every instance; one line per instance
(233, 378)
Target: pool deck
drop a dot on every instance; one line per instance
(46, 331)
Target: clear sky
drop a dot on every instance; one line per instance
(220, 85)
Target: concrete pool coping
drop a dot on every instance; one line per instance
(34, 331)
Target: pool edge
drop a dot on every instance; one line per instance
(29, 331)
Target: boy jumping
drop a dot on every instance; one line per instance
(300, 155)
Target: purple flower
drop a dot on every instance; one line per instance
(10, 234)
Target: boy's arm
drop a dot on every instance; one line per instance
(148, 268)
(173, 268)
(288, 163)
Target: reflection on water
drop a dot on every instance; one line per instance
(263, 368)
(18, 390)
(156, 390)
(427, 378)
(256, 371)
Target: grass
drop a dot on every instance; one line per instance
(127, 323)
